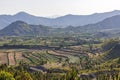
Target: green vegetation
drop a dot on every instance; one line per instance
(59, 58)
(6, 76)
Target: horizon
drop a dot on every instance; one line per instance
(48, 8)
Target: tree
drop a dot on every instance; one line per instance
(72, 75)
(6, 76)
(67, 61)
(22, 76)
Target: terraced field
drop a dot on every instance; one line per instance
(10, 57)
(47, 58)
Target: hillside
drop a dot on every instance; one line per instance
(20, 28)
(113, 52)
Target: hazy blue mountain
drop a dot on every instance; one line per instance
(109, 25)
(80, 20)
(63, 21)
(5, 20)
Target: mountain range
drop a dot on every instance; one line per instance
(21, 28)
(59, 22)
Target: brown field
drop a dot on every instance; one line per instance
(3, 58)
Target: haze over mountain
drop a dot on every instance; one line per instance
(20, 28)
(63, 21)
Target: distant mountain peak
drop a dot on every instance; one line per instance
(17, 24)
(69, 14)
(21, 14)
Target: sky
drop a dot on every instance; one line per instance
(58, 7)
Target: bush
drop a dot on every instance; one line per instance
(6, 76)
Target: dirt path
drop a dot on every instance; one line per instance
(11, 58)
(55, 53)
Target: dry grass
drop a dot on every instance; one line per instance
(56, 65)
(11, 59)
